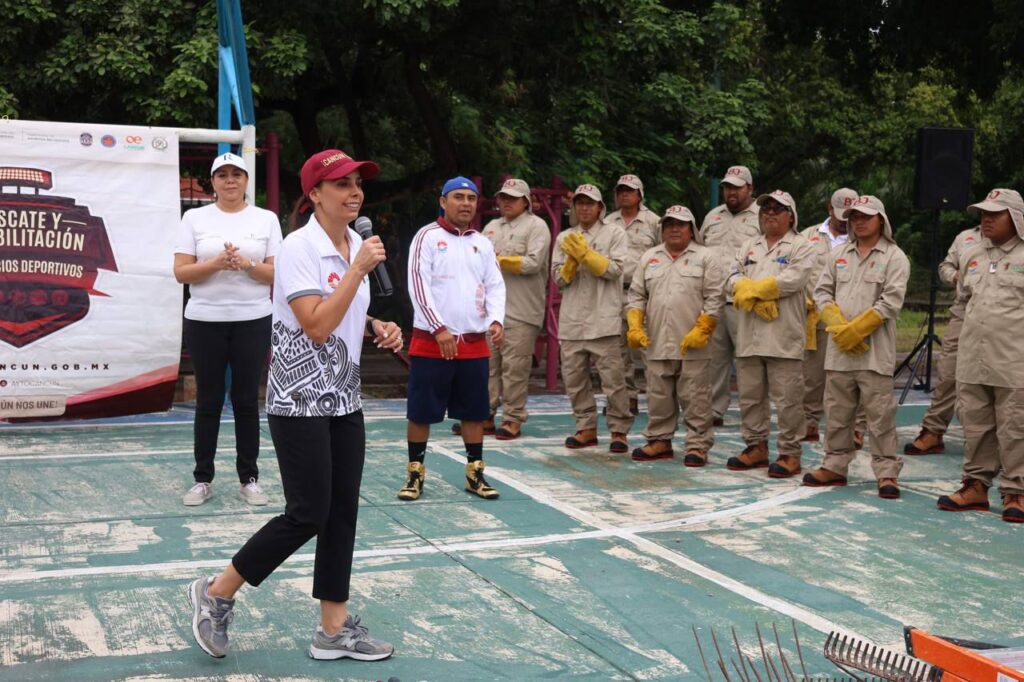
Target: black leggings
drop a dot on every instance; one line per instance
(321, 462)
(215, 346)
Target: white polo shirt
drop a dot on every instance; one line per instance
(228, 295)
(307, 379)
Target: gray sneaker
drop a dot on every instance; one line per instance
(354, 641)
(198, 494)
(210, 618)
(252, 493)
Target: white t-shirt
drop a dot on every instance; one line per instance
(229, 295)
(307, 379)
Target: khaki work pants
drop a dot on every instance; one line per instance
(943, 405)
(509, 380)
(993, 421)
(844, 391)
(814, 385)
(576, 358)
(782, 380)
(671, 382)
(723, 352)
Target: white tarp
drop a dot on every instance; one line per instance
(90, 314)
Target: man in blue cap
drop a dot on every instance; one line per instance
(458, 297)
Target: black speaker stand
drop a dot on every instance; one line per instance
(922, 352)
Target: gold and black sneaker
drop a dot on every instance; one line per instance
(476, 483)
(413, 487)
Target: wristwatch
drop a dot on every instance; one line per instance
(252, 266)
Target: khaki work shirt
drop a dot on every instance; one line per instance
(823, 246)
(643, 233)
(990, 342)
(592, 306)
(724, 233)
(672, 292)
(855, 284)
(790, 261)
(950, 266)
(525, 293)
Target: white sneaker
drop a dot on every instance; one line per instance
(198, 494)
(252, 493)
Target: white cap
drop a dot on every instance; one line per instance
(229, 160)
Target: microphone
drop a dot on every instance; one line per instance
(364, 226)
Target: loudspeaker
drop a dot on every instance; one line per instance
(943, 177)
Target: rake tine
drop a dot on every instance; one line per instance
(721, 661)
(739, 652)
(701, 650)
(752, 668)
(738, 671)
(764, 656)
(782, 656)
(799, 651)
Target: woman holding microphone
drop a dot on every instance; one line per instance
(314, 409)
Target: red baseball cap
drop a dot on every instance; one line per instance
(331, 164)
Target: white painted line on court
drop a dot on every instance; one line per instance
(794, 611)
(102, 455)
(433, 547)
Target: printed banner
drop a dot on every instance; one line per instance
(90, 313)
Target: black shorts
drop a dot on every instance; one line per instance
(458, 386)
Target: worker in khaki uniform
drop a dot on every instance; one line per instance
(677, 295)
(940, 411)
(522, 242)
(724, 230)
(989, 374)
(769, 288)
(644, 232)
(860, 294)
(826, 237)
(587, 264)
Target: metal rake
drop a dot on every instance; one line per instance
(846, 650)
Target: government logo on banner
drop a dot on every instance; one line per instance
(50, 251)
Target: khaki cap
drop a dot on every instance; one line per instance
(1003, 200)
(514, 187)
(784, 198)
(843, 198)
(737, 176)
(869, 205)
(631, 181)
(683, 215)
(588, 191)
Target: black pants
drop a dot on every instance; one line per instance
(321, 462)
(215, 346)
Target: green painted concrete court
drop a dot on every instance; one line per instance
(589, 567)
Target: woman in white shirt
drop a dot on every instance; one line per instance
(225, 254)
(314, 410)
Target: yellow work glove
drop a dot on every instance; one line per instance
(811, 327)
(635, 336)
(575, 245)
(699, 336)
(511, 264)
(767, 310)
(742, 298)
(568, 271)
(832, 316)
(595, 262)
(850, 337)
(765, 289)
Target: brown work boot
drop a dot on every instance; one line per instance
(619, 444)
(1013, 508)
(695, 458)
(972, 496)
(821, 477)
(786, 466)
(926, 443)
(888, 488)
(858, 440)
(813, 435)
(508, 431)
(582, 439)
(754, 456)
(655, 449)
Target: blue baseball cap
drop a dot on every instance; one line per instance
(459, 182)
